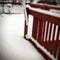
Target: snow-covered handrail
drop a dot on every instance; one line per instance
(43, 11)
(55, 6)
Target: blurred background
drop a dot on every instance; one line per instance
(12, 18)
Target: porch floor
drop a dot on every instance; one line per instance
(13, 46)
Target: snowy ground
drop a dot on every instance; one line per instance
(12, 44)
(12, 9)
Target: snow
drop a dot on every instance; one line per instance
(30, 25)
(11, 8)
(12, 44)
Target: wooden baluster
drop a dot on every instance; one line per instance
(40, 31)
(26, 26)
(25, 29)
(46, 42)
(43, 29)
(53, 41)
(58, 42)
(35, 26)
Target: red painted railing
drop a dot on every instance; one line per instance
(46, 31)
(44, 6)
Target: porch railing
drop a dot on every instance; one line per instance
(45, 31)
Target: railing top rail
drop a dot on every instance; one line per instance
(44, 5)
(43, 11)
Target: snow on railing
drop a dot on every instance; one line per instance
(43, 11)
